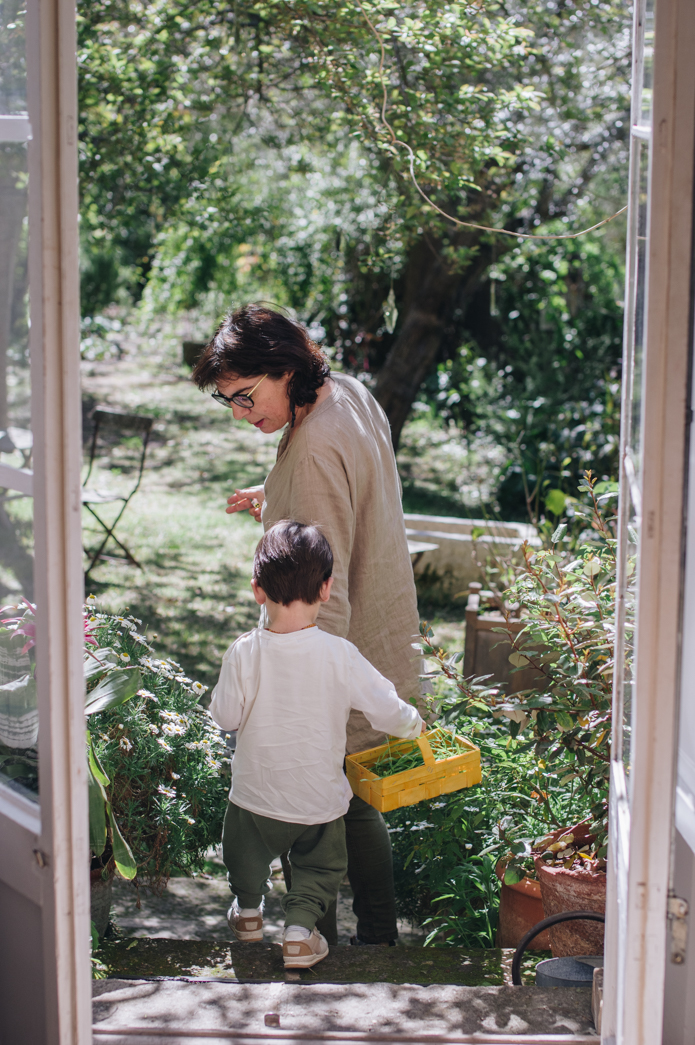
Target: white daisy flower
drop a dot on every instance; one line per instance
(125, 744)
(198, 688)
(173, 729)
(168, 792)
(163, 743)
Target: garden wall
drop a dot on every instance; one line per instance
(458, 549)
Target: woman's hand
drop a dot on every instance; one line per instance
(249, 500)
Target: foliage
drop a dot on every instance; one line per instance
(445, 850)
(196, 120)
(540, 372)
(568, 603)
(163, 756)
(492, 101)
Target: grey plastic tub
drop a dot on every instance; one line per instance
(568, 972)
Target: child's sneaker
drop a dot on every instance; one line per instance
(246, 923)
(301, 949)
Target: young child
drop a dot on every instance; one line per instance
(288, 689)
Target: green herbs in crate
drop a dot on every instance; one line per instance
(444, 745)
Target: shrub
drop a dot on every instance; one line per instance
(164, 759)
(548, 766)
(445, 850)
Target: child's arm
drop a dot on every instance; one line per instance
(376, 697)
(227, 703)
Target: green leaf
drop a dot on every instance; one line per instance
(12, 772)
(592, 567)
(123, 857)
(98, 660)
(97, 816)
(555, 501)
(115, 689)
(559, 533)
(606, 488)
(512, 876)
(94, 764)
(564, 720)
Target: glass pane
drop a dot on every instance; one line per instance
(642, 174)
(644, 115)
(13, 97)
(18, 708)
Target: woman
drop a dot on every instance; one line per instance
(336, 468)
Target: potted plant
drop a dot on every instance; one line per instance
(566, 599)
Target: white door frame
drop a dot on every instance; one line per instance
(44, 849)
(634, 990)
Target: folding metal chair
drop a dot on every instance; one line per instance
(113, 427)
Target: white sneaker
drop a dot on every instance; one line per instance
(246, 923)
(300, 952)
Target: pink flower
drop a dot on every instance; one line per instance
(23, 625)
(26, 625)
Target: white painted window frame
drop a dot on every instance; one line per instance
(641, 832)
(47, 858)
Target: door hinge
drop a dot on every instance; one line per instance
(678, 917)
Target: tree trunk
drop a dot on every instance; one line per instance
(433, 290)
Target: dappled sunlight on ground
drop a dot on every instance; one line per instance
(196, 909)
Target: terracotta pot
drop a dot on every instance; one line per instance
(101, 900)
(521, 907)
(566, 890)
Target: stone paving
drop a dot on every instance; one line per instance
(490, 1013)
(195, 909)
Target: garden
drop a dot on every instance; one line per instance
(256, 153)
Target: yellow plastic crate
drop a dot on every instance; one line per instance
(412, 785)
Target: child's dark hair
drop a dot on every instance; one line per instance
(292, 561)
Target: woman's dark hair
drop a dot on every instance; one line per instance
(292, 561)
(257, 340)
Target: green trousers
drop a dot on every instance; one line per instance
(317, 856)
(370, 870)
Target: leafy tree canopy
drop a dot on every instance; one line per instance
(253, 149)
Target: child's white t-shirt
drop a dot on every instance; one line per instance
(290, 697)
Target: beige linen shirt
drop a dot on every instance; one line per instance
(339, 472)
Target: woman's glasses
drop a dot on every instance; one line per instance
(239, 399)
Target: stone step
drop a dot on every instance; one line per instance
(246, 1013)
(144, 957)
